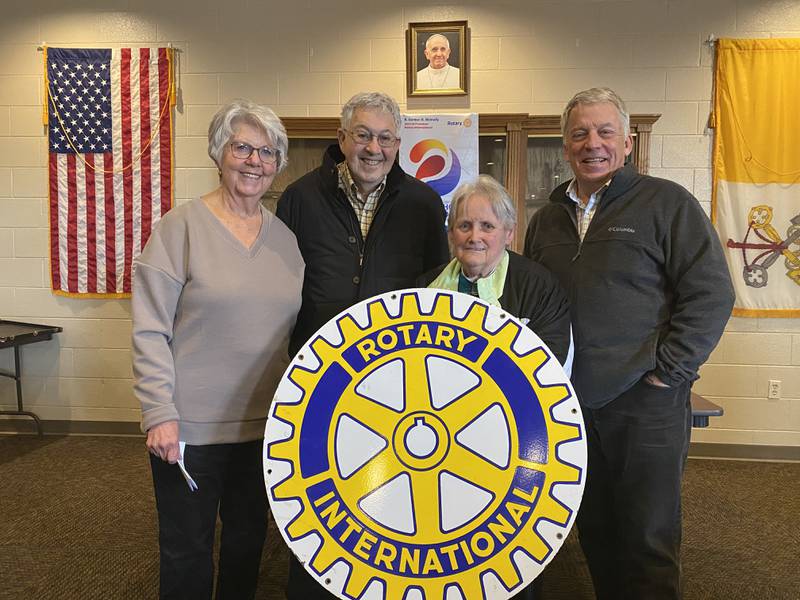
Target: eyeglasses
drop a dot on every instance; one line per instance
(362, 137)
(244, 151)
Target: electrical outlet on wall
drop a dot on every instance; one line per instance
(774, 389)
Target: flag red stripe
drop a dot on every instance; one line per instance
(55, 271)
(91, 231)
(127, 163)
(110, 241)
(72, 225)
(144, 112)
(165, 132)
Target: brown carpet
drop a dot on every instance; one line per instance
(77, 522)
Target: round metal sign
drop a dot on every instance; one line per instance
(424, 445)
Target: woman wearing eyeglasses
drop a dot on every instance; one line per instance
(215, 297)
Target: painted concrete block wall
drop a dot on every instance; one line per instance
(307, 57)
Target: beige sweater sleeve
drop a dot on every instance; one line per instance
(157, 286)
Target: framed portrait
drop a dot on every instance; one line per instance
(437, 59)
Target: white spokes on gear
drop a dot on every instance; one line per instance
(385, 385)
(448, 380)
(392, 505)
(356, 445)
(488, 436)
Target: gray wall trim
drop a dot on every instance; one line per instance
(24, 426)
(744, 451)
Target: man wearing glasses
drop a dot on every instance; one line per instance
(364, 227)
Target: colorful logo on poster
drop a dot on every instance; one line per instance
(424, 445)
(431, 158)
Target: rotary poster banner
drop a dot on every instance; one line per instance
(441, 150)
(756, 178)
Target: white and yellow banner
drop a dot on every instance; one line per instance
(441, 150)
(756, 178)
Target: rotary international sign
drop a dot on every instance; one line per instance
(424, 445)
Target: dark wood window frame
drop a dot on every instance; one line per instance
(516, 127)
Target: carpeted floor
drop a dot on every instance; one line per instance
(77, 522)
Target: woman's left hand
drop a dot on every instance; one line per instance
(162, 441)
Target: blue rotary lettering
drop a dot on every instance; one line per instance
(410, 335)
(430, 560)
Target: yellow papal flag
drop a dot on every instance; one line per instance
(756, 177)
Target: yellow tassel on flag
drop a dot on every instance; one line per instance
(45, 95)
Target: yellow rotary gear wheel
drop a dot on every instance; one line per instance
(424, 445)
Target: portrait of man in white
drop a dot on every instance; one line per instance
(439, 74)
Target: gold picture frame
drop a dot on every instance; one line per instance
(433, 67)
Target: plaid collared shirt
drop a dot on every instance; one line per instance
(364, 207)
(585, 214)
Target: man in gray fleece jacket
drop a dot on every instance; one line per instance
(650, 294)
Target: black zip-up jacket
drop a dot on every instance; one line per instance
(407, 237)
(649, 287)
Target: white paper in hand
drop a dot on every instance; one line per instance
(186, 476)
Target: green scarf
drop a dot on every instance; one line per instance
(489, 288)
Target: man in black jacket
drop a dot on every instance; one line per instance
(650, 295)
(364, 227)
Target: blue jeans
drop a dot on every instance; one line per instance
(230, 483)
(629, 522)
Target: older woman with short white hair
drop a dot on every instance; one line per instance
(480, 227)
(215, 297)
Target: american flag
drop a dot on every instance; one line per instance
(110, 139)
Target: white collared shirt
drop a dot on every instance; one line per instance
(585, 213)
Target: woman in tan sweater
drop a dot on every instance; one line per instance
(216, 294)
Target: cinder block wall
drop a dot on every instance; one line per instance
(305, 58)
